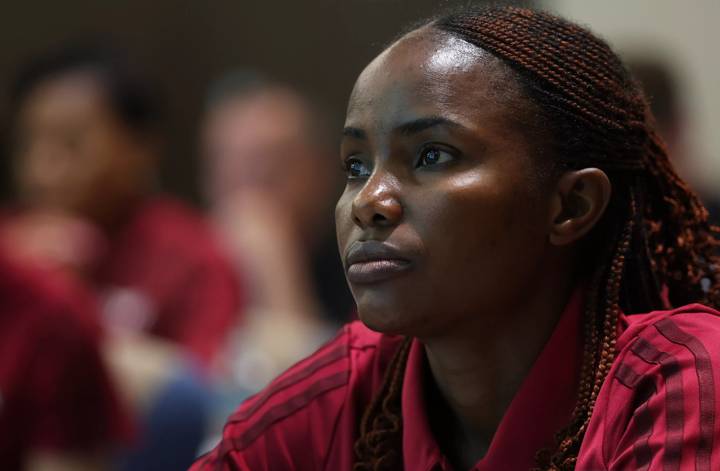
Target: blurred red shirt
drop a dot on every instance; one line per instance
(55, 393)
(165, 273)
(656, 410)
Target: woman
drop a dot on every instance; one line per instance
(509, 215)
(85, 148)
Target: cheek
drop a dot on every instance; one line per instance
(480, 236)
(110, 167)
(471, 208)
(343, 219)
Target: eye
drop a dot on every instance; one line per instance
(430, 156)
(356, 168)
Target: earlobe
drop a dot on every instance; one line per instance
(581, 197)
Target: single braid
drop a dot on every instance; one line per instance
(653, 248)
(380, 444)
(598, 354)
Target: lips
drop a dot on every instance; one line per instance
(372, 261)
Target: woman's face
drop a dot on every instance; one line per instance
(444, 220)
(72, 152)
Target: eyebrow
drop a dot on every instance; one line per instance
(354, 132)
(418, 125)
(406, 129)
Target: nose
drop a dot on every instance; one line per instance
(377, 204)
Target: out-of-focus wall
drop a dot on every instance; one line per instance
(683, 33)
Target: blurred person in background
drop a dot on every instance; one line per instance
(85, 150)
(58, 407)
(659, 80)
(265, 150)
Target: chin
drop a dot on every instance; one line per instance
(382, 325)
(388, 318)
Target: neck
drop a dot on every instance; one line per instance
(478, 369)
(112, 217)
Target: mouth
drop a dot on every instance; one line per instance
(372, 261)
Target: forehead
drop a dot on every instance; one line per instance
(432, 72)
(271, 114)
(69, 95)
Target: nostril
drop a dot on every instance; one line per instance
(378, 218)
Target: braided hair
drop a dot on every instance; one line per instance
(652, 249)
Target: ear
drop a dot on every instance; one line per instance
(580, 199)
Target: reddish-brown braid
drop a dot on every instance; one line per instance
(653, 248)
(381, 426)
